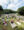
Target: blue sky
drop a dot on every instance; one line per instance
(12, 4)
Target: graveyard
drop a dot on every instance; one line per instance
(11, 14)
(11, 22)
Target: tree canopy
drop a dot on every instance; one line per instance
(8, 11)
(1, 9)
(21, 10)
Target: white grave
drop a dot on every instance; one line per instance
(13, 25)
(18, 23)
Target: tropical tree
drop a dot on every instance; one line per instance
(1, 9)
(21, 10)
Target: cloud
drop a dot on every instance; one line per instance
(15, 6)
(22, 0)
(3, 3)
(15, 1)
(12, 4)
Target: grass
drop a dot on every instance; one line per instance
(8, 27)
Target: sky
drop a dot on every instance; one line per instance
(12, 4)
